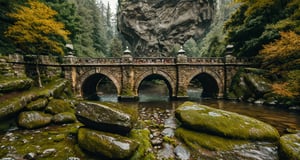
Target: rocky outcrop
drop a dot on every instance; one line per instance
(223, 123)
(104, 117)
(153, 27)
(110, 145)
(16, 103)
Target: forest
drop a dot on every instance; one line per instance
(267, 30)
(90, 26)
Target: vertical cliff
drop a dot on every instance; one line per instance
(153, 27)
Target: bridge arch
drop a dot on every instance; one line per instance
(159, 75)
(89, 81)
(212, 83)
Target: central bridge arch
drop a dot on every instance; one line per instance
(171, 84)
(90, 80)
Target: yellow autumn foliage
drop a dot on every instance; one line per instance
(283, 54)
(36, 30)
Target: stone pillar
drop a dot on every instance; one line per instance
(70, 71)
(127, 86)
(181, 60)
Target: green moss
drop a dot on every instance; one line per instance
(60, 138)
(142, 137)
(56, 106)
(170, 140)
(224, 123)
(196, 140)
(290, 146)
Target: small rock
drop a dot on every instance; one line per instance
(30, 156)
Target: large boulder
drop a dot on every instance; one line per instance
(153, 27)
(110, 145)
(289, 146)
(34, 119)
(223, 123)
(103, 117)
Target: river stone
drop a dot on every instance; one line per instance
(110, 145)
(38, 104)
(56, 106)
(223, 123)
(290, 146)
(34, 119)
(64, 117)
(104, 118)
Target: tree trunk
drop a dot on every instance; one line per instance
(38, 72)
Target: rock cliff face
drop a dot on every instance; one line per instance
(153, 27)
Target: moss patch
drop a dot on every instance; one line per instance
(144, 150)
(196, 141)
(58, 138)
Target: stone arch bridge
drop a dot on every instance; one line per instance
(127, 73)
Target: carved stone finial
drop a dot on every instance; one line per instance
(127, 51)
(181, 50)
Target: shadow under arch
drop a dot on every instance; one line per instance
(152, 83)
(91, 86)
(209, 84)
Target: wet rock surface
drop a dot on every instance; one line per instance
(290, 146)
(154, 27)
(104, 118)
(110, 145)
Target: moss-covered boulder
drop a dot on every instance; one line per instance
(110, 145)
(34, 119)
(104, 117)
(9, 84)
(38, 104)
(290, 146)
(64, 117)
(56, 106)
(223, 123)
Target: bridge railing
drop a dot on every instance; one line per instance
(206, 60)
(154, 60)
(94, 61)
